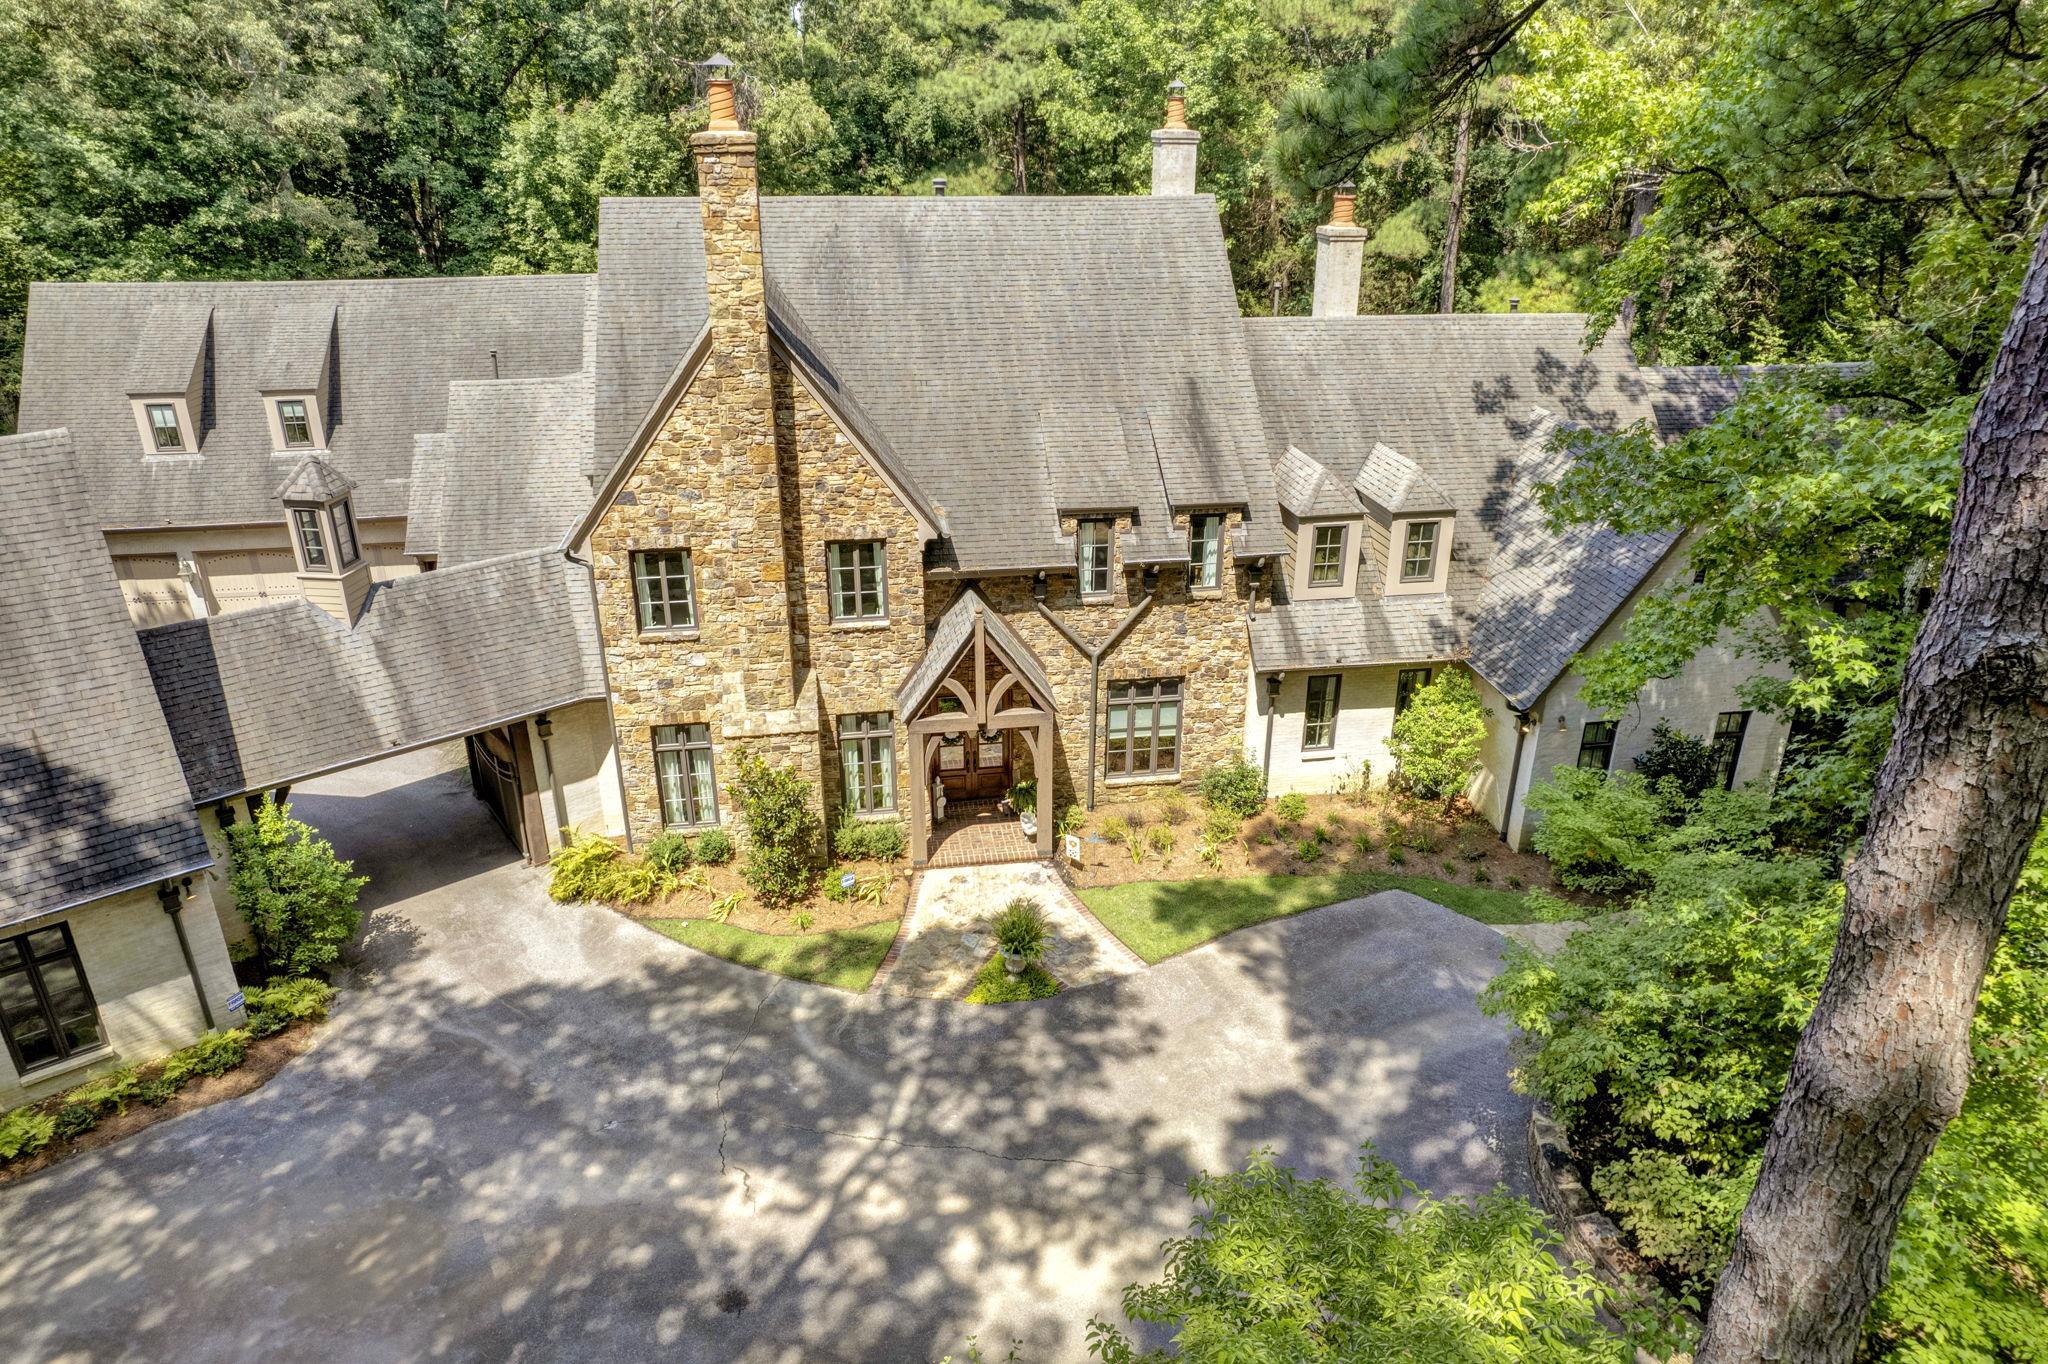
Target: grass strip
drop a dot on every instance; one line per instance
(846, 958)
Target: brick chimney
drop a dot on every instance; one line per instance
(735, 379)
(1340, 257)
(1173, 146)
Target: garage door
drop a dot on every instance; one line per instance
(154, 592)
(243, 579)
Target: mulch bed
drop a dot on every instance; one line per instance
(750, 914)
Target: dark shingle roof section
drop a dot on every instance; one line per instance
(1353, 633)
(397, 344)
(92, 800)
(511, 467)
(979, 334)
(433, 656)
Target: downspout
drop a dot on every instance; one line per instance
(1507, 811)
(1094, 654)
(604, 672)
(1272, 704)
(171, 896)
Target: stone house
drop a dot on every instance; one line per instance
(926, 496)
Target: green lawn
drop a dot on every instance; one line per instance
(844, 957)
(1159, 918)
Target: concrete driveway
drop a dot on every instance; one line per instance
(537, 1132)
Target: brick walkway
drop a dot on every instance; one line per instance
(975, 834)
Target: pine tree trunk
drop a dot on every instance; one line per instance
(1884, 1061)
(1447, 297)
(1017, 148)
(1642, 203)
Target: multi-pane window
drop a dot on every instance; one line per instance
(1326, 556)
(345, 533)
(1596, 744)
(1408, 682)
(1319, 720)
(1143, 728)
(163, 424)
(1205, 551)
(312, 539)
(1729, 727)
(663, 589)
(682, 767)
(867, 761)
(1095, 537)
(1418, 552)
(46, 1007)
(292, 422)
(859, 589)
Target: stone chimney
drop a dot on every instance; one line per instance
(1173, 146)
(1340, 257)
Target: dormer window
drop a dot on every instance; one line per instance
(167, 434)
(1205, 551)
(1326, 556)
(293, 424)
(345, 532)
(1418, 556)
(312, 537)
(1418, 552)
(1095, 539)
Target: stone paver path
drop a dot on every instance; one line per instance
(945, 936)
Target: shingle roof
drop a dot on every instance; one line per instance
(426, 494)
(313, 479)
(1306, 488)
(982, 335)
(92, 800)
(1397, 484)
(265, 697)
(398, 344)
(952, 634)
(510, 467)
(168, 347)
(1352, 632)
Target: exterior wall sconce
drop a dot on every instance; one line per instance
(544, 726)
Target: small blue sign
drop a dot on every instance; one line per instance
(237, 1002)
(846, 880)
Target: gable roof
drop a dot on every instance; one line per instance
(1309, 489)
(1396, 484)
(979, 334)
(950, 638)
(396, 346)
(92, 800)
(433, 656)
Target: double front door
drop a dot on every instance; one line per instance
(975, 767)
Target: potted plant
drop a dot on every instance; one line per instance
(1020, 933)
(1024, 800)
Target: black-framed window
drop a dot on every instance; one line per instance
(1418, 552)
(1205, 551)
(858, 579)
(1095, 537)
(1143, 728)
(1408, 682)
(1596, 745)
(1319, 717)
(664, 589)
(1326, 556)
(1729, 728)
(345, 532)
(867, 761)
(163, 424)
(46, 1006)
(293, 423)
(682, 767)
(312, 537)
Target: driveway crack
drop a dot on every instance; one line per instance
(718, 1094)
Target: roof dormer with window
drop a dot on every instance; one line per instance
(292, 379)
(320, 516)
(1324, 522)
(166, 379)
(1413, 516)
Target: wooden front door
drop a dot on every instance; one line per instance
(976, 768)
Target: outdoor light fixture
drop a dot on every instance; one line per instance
(1560, 724)
(1038, 586)
(544, 726)
(1273, 688)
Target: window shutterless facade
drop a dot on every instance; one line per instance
(1418, 552)
(312, 537)
(664, 590)
(163, 424)
(859, 580)
(1205, 551)
(1094, 561)
(46, 1007)
(867, 761)
(1408, 682)
(1596, 745)
(293, 423)
(1319, 717)
(1729, 728)
(1326, 556)
(682, 768)
(1143, 728)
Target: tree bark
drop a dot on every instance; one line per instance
(1642, 203)
(1885, 1059)
(1017, 148)
(1447, 296)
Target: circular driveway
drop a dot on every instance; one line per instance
(538, 1131)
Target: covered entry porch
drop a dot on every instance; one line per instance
(980, 719)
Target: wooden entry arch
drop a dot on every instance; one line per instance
(1002, 663)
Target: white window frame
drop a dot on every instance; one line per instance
(847, 581)
(645, 606)
(1095, 558)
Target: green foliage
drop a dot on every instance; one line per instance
(1290, 809)
(1070, 821)
(1021, 929)
(281, 1003)
(216, 1053)
(1436, 740)
(1160, 839)
(25, 1131)
(1024, 796)
(668, 852)
(781, 862)
(1221, 826)
(1613, 832)
(1115, 829)
(875, 840)
(581, 870)
(993, 984)
(713, 848)
(1237, 786)
(1281, 1268)
(1173, 808)
(1680, 758)
(298, 898)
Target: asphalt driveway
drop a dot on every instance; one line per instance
(538, 1132)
